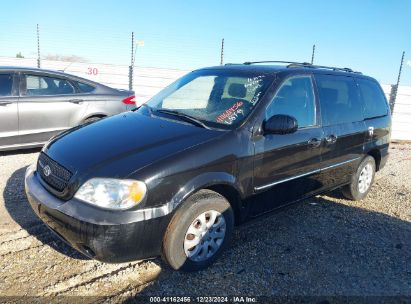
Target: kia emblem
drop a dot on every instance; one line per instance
(47, 170)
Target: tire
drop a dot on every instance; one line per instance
(361, 181)
(203, 208)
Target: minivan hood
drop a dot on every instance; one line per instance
(124, 143)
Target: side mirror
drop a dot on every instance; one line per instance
(280, 124)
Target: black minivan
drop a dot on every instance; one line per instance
(174, 176)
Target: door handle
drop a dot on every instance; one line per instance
(77, 101)
(331, 139)
(371, 131)
(314, 142)
(4, 103)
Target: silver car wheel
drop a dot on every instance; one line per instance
(205, 236)
(365, 179)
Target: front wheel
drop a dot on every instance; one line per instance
(198, 232)
(361, 181)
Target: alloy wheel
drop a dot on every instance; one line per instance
(365, 178)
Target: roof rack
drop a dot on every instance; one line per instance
(272, 61)
(309, 65)
(292, 64)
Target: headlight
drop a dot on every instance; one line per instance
(112, 193)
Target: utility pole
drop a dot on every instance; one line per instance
(38, 46)
(313, 54)
(222, 52)
(131, 67)
(394, 88)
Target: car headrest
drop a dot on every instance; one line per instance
(64, 87)
(237, 90)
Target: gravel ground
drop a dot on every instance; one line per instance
(325, 246)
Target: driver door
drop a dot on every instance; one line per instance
(8, 110)
(287, 166)
(46, 106)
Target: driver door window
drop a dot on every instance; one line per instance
(295, 98)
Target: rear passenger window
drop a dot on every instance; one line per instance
(6, 84)
(84, 87)
(44, 85)
(375, 104)
(295, 98)
(339, 99)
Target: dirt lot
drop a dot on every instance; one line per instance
(324, 246)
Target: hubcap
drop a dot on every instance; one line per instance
(364, 181)
(204, 236)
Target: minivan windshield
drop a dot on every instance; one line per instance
(214, 98)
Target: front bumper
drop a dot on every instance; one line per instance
(106, 238)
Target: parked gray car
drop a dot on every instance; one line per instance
(37, 104)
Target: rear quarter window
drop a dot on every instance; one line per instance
(374, 102)
(339, 99)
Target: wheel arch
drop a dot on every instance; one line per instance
(92, 115)
(233, 197)
(376, 154)
(219, 182)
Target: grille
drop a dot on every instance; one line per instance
(55, 175)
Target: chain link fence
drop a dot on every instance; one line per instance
(121, 60)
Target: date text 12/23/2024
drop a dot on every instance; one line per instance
(206, 299)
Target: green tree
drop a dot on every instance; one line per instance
(19, 55)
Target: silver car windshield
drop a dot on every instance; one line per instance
(218, 99)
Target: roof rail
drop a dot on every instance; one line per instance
(272, 61)
(309, 65)
(292, 64)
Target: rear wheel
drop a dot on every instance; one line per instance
(361, 181)
(198, 232)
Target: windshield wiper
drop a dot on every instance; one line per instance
(186, 117)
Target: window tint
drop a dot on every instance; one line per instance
(375, 104)
(339, 99)
(84, 87)
(43, 85)
(6, 84)
(295, 98)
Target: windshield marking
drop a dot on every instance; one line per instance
(256, 98)
(231, 114)
(254, 83)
